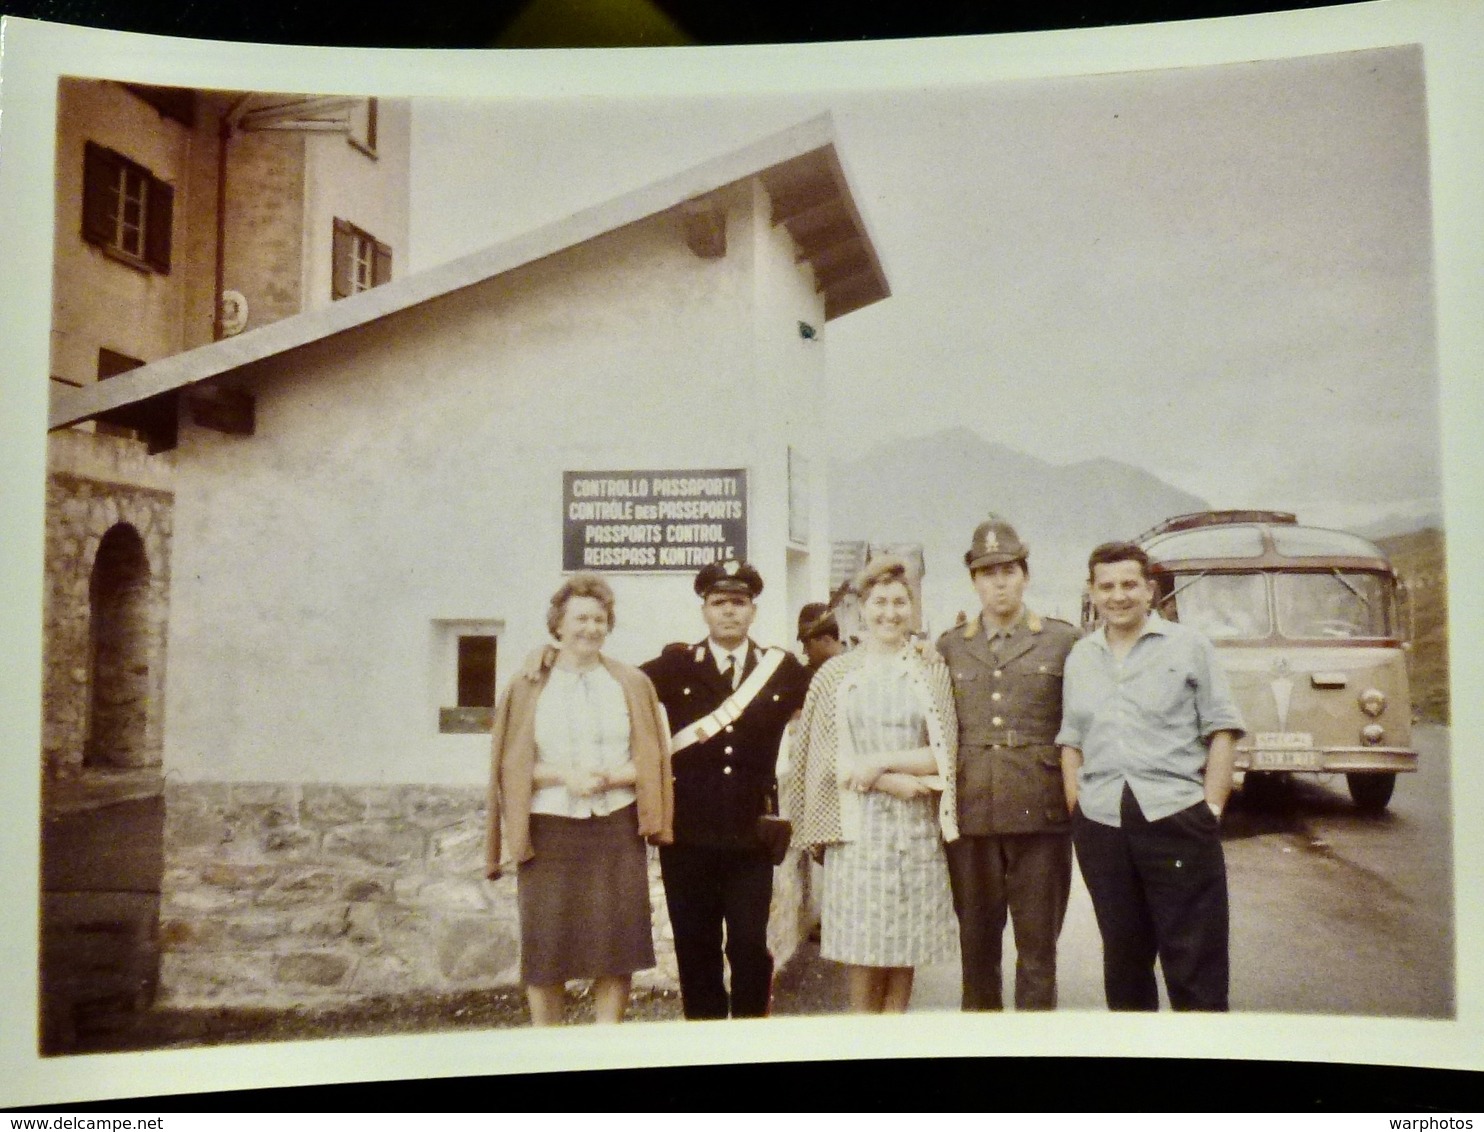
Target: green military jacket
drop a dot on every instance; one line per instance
(1009, 711)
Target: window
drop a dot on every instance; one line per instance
(359, 261)
(1208, 542)
(110, 364)
(362, 133)
(178, 103)
(126, 209)
(464, 674)
(1338, 605)
(1225, 607)
(477, 672)
(1311, 542)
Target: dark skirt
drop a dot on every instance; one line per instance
(584, 899)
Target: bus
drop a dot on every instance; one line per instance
(1313, 628)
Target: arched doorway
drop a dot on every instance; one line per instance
(102, 837)
(119, 653)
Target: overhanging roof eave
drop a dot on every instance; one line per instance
(181, 371)
(819, 236)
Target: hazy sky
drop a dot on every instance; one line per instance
(1222, 274)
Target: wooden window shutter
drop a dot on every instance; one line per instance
(381, 265)
(100, 172)
(342, 255)
(159, 205)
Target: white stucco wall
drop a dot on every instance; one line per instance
(369, 191)
(409, 471)
(791, 376)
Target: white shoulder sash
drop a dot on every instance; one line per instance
(731, 707)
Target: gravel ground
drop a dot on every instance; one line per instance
(805, 985)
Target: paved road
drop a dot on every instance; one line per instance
(1333, 912)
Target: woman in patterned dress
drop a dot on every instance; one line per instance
(872, 788)
(581, 779)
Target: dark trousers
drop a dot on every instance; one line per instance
(1158, 890)
(719, 899)
(1028, 876)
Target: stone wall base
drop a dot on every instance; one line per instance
(280, 894)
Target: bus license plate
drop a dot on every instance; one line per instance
(1285, 760)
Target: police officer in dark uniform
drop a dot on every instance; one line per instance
(1014, 852)
(728, 701)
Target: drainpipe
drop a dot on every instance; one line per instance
(219, 283)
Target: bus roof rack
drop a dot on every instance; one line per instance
(1215, 519)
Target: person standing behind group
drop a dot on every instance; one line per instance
(728, 701)
(1014, 851)
(873, 789)
(580, 781)
(819, 634)
(1148, 740)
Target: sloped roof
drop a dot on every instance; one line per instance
(799, 169)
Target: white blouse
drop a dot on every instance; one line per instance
(582, 722)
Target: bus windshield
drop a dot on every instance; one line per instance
(1225, 607)
(1336, 605)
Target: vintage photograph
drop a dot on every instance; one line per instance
(471, 523)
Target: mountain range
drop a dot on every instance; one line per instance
(935, 489)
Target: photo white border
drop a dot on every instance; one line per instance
(34, 55)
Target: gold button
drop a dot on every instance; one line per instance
(997, 674)
(726, 770)
(997, 721)
(687, 691)
(994, 695)
(728, 751)
(729, 728)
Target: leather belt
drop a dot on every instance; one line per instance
(996, 739)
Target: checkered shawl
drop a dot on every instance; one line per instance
(822, 812)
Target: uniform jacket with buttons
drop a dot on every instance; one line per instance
(1009, 711)
(723, 784)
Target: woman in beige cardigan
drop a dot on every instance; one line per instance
(580, 781)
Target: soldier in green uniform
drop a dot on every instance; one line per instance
(1014, 852)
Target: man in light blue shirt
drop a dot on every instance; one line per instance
(1148, 741)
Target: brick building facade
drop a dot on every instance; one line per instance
(182, 217)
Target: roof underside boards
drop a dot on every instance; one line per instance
(798, 167)
(811, 198)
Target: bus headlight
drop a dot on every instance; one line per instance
(1373, 702)
(1372, 734)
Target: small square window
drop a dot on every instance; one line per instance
(477, 671)
(359, 261)
(464, 675)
